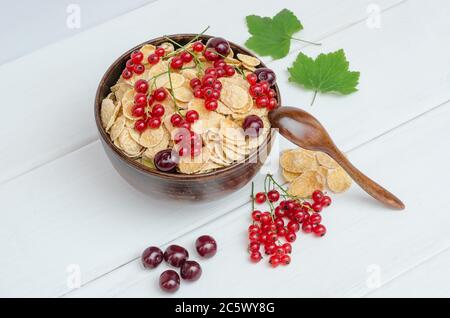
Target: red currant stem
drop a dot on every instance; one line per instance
(253, 196)
(314, 98)
(305, 41)
(171, 90)
(266, 180)
(187, 44)
(183, 48)
(285, 193)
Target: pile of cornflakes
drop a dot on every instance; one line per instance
(220, 128)
(308, 171)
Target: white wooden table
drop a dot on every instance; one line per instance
(65, 211)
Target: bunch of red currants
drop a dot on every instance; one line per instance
(274, 231)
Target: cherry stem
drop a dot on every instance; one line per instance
(314, 98)
(305, 41)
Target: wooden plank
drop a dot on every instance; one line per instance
(429, 279)
(364, 239)
(52, 90)
(105, 231)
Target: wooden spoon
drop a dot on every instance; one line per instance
(305, 131)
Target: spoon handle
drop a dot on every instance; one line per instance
(370, 186)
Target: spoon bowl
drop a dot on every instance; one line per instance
(307, 132)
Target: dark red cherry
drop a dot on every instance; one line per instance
(252, 125)
(166, 160)
(191, 270)
(152, 257)
(169, 281)
(266, 74)
(175, 255)
(219, 44)
(206, 246)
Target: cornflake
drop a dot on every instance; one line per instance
(309, 170)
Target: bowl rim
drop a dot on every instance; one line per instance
(154, 172)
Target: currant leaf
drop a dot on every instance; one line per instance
(327, 73)
(272, 36)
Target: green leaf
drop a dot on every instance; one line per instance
(327, 73)
(272, 37)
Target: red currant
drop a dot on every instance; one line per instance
(138, 111)
(290, 236)
(129, 65)
(326, 201)
(262, 101)
(253, 236)
(255, 257)
(139, 69)
(287, 248)
(317, 207)
(254, 247)
(176, 120)
(158, 110)
(137, 57)
(273, 195)
(195, 82)
(160, 51)
(307, 227)
(186, 57)
(229, 70)
(140, 99)
(315, 218)
(317, 196)
(293, 226)
(269, 248)
(266, 218)
(264, 86)
(154, 122)
(252, 78)
(221, 72)
(153, 59)
(260, 197)
(160, 94)
(151, 100)
(140, 125)
(271, 93)
(208, 80)
(279, 222)
(198, 46)
(211, 56)
(273, 103)
(176, 63)
(141, 86)
(253, 228)
(255, 90)
(126, 74)
(185, 125)
(217, 85)
(281, 231)
(211, 71)
(274, 260)
(319, 230)
(279, 212)
(211, 105)
(191, 116)
(219, 64)
(198, 93)
(285, 259)
(256, 215)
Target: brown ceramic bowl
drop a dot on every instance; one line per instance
(196, 187)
